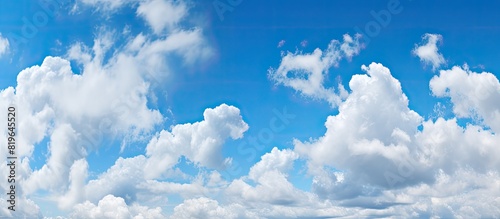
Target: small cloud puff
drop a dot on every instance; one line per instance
(281, 43)
(428, 51)
(4, 45)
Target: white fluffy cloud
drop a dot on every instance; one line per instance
(464, 194)
(25, 208)
(199, 142)
(109, 98)
(373, 156)
(306, 73)
(115, 207)
(273, 195)
(428, 180)
(209, 208)
(377, 158)
(272, 184)
(75, 112)
(130, 178)
(275, 160)
(385, 159)
(472, 94)
(119, 180)
(52, 89)
(77, 178)
(4, 45)
(269, 195)
(370, 132)
(64, 152)
(428, 51)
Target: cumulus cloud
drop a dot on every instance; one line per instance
(373, 161)
(372, 125)
(272, 184)
(109, 98)
(25, 207)
(209, 208)
(443, 141)
(119, 180)
(472, 94)
(385, 158)
(272, 196)
(64, 151)
(428, 52)
(415, 172)
(74, 113)
(129, 179)
(275, 160)
(306, 73)
(199, 142)
(114, 207)
(77, 178)
(44, 91)
(377, 158)
(464, 194)
(4, 45)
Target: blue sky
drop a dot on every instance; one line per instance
(270, 109)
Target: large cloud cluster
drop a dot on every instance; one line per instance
(108, 97)
(377, 158)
